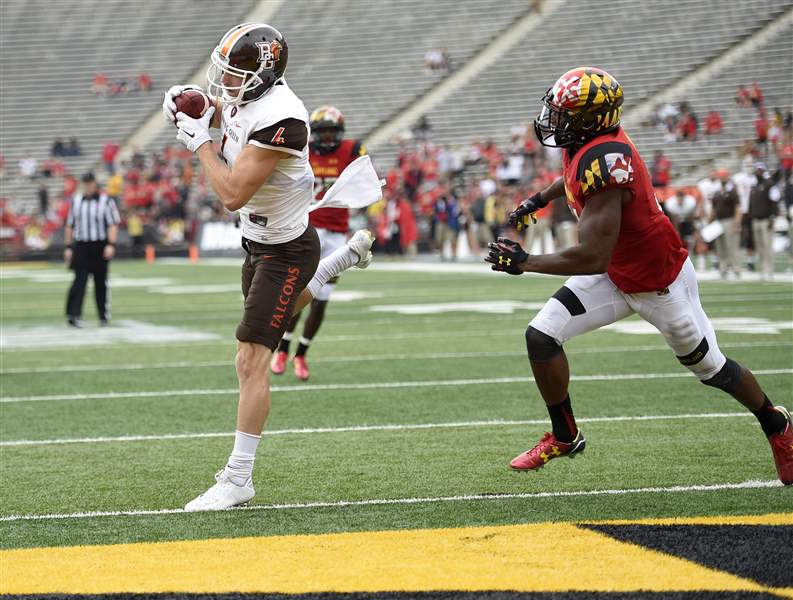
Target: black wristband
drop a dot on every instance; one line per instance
(537, 198)
(110, 244)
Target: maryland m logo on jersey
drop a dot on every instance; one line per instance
(605, 164)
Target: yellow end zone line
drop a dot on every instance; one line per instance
(785, 518)
(512, 557)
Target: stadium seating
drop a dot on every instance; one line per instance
(46, 91)
(649, 47)
(47, 75)
(326, 65)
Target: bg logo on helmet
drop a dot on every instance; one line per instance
(269, 53)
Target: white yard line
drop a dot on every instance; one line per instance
(365, 428)
(675, 489)
(363, 358)
(361, 386)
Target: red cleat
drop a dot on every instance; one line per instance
(782, 449)
(301, 368)
(278, 363)
(547, 449)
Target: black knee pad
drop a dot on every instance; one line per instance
(541, 347)
(726, 379)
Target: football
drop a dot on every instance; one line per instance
(192, 103)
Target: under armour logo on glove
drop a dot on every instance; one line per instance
(506, 255)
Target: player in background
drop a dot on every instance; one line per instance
(629, 260)
(329, 154)
(263, 173)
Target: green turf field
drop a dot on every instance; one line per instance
(425, 409)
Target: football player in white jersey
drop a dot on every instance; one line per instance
(264, 175)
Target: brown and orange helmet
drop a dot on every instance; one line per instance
(254, 52)
(583, 103)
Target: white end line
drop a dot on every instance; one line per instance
(752, 484)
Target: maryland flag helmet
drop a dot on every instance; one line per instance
(582, 104)
(246, 63)
(327, 129)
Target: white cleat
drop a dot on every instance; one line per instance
(360, 243)
(224, 494)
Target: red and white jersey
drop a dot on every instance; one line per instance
(327, 168)
(649, 253)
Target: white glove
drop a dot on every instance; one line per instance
(193, 133)
(168, 105)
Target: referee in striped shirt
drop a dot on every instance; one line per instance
(90, 238)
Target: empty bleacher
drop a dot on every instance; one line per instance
(646, 45)
(52, 49)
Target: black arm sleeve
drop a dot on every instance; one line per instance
(288, 135)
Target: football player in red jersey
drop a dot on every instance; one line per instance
(629, 260)
(329, 154)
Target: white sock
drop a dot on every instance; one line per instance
(305, 341)
(332, 265)
(240, 466)
(287, 337)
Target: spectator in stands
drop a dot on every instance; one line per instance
(445, 222)
(52, 168)
(421, 130)
(73, 148)
(69, 186)
(713, 123)
(756, 95)
(44, 199)
(687, 124)
(763, 209)
(787, 121)
(436, 59)
(135, 231)
(565, 227)
(744, 180)
(761, 128)
(28, 167)
(786, 156)
(510, 171)
(2, 166)
(727, 211)
(114, 187)
(496, 209)
(661, 169)
(58, 148)
(480, 231)
(144, 82)
(109, 153)
(743, 97)
(100, 84)
(682, 209)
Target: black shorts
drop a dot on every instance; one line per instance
(273, 275)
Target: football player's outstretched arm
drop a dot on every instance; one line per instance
(599, 228)
(237, 185)
(553, 191)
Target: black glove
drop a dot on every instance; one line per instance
(523, 215)
(505, 255)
